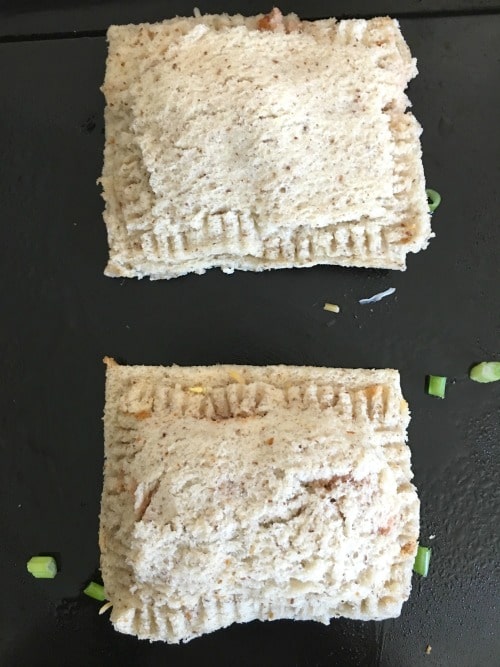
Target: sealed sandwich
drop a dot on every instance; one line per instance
(260, 142)
(236, 493)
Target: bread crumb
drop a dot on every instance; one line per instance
(331, 308)
(428, 649)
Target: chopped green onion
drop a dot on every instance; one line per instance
(95, 591)
(486, 371)
(422, 560)
(42, 567)
(437, 386)
(433, 198)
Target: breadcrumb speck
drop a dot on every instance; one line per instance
(428, 649)
(331, 308)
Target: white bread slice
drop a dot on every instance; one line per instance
(240, 493)
(232, 146)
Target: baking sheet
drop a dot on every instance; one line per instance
(60, 316)
(57, 17)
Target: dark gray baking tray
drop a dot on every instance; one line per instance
(32, 17)
(60, 316)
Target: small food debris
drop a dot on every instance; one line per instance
(236, 376)
(105, 607)
(428, 649)
(95, 591)
(436, 386)
(331, 308)
(197, 390)
(422, 560)
(432, 537)
(486, 371)
(433, 199)
(42, 567)
(379, 296)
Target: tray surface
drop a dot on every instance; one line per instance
(60, 316)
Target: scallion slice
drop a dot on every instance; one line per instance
(422, 560)
(95, 591)
(486, 371)
(42, 567)
(433, 199)
(437, 386)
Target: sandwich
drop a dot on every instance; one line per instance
(262, 142)
(240, 493)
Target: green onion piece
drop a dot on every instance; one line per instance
(42, 567)
(437, 386)
(95, 591)
(486, 371)
(422, 560)
(433, 199)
